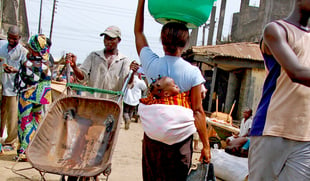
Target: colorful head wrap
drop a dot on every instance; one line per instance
(38, 44)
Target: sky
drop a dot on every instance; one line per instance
(78, 23)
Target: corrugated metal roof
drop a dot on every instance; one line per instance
(243, 50)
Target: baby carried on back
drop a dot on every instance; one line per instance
(166, 115)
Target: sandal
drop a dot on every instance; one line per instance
(21, 158)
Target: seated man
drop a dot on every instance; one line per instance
(239, 144)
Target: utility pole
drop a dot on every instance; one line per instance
(39, 27)
(53, 14)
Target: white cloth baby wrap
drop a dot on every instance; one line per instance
(169, 124)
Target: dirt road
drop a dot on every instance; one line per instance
(126, 160)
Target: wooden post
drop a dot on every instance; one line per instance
(68, 77)
(212, 87)
(212, 25)
(221, 22)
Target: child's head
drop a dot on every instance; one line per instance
(164, 87)
(247, 112)
(174, 35)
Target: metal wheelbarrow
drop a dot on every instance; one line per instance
(78, 135)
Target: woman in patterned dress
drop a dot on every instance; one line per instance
(33, 83)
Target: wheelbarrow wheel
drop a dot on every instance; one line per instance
(108, 170)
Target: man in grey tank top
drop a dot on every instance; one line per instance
(280, 133)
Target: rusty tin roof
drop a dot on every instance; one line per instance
(241, 50)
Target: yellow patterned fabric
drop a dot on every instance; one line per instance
(181, 99)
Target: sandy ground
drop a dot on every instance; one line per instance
(126, 160)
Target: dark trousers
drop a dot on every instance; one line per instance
(162, 162)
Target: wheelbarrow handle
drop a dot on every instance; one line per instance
(92, 89)
(124, 88)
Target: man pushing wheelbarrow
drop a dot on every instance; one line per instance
(84, 129)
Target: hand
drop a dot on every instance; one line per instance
(134, 66)
(203, 91)
(8, 68)
(203, 94)
(205, 155)
(4, 65)
(71, 58)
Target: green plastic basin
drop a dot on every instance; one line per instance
(192, 12)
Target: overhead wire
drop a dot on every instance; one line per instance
(81, 30)
(86, 10)
(103, 9)
(98, 6)
(83, 20)
(60, 6)
(90, 18)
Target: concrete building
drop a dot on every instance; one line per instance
(13, 12)
(248, 24)
(234, 73)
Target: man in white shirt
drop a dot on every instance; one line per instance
(11, 53)
(132, 97)
(239, 144)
